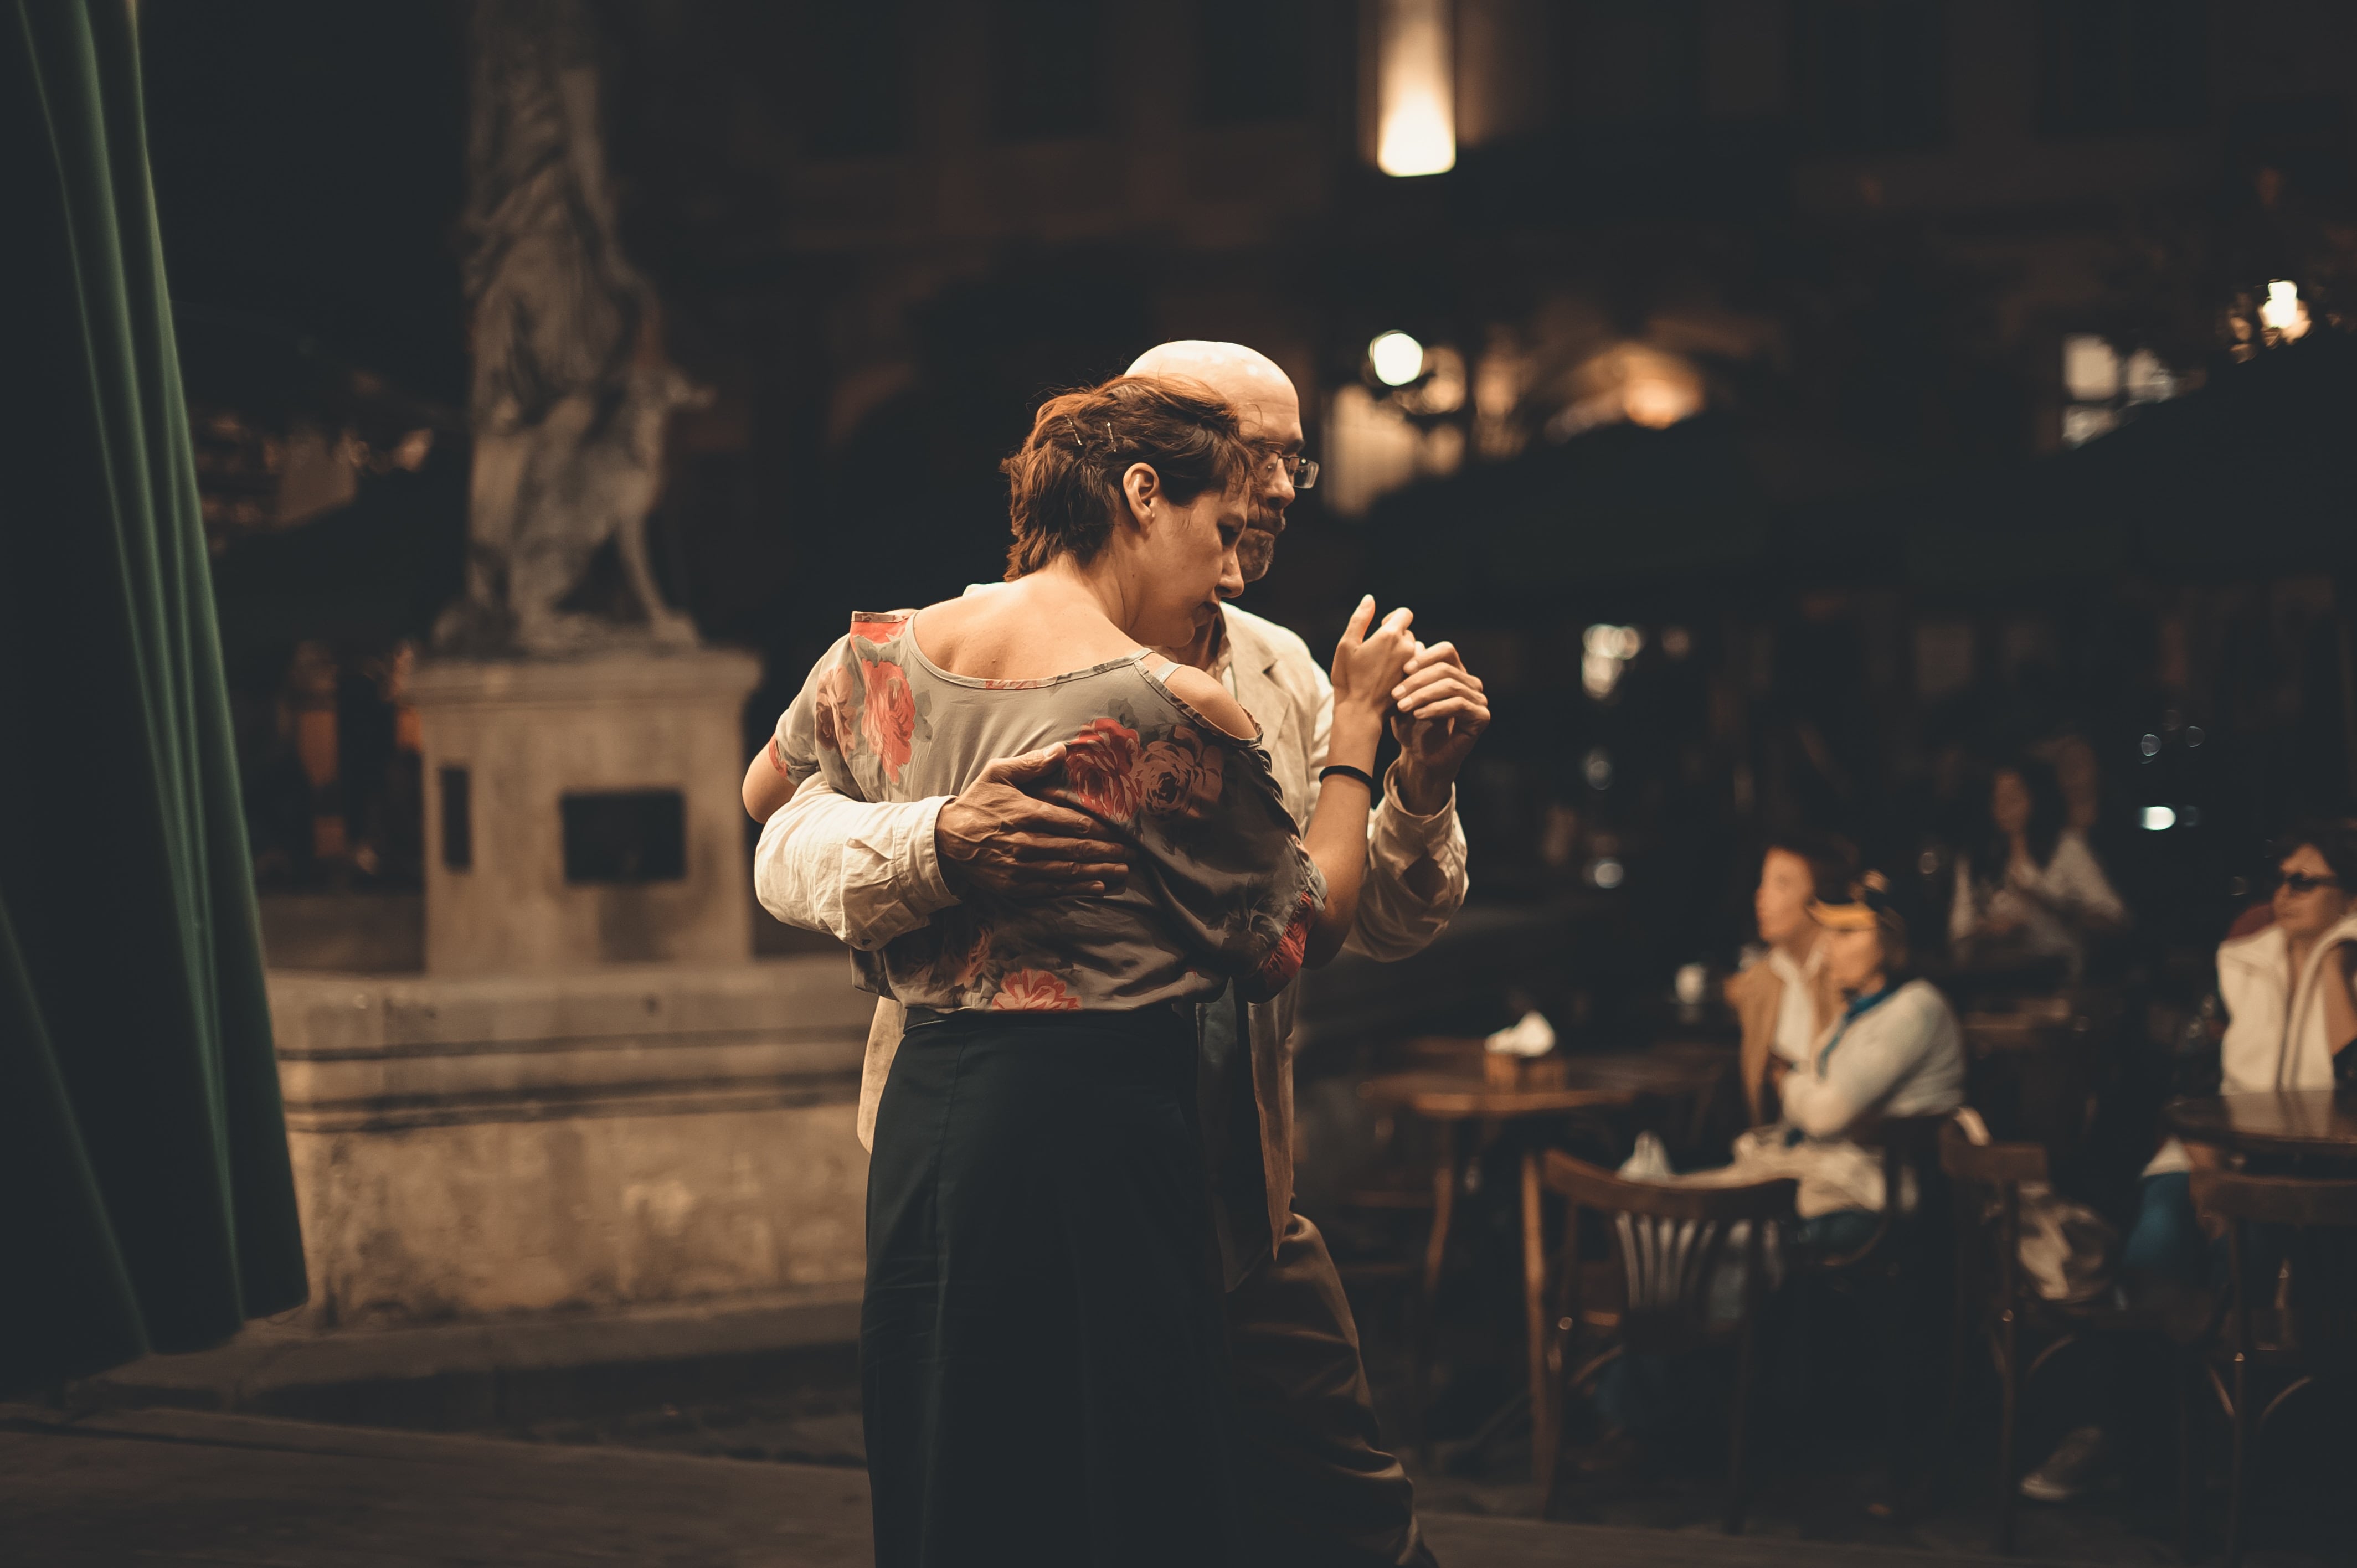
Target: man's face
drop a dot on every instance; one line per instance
(1273, 423)
(1782, 903)
(1270, 413)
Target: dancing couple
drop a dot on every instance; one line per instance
(1083, 830)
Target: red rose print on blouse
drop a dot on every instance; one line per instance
(1034, 990)
(889, 719)
(833, 695)
(1101, 769)
(1181, 774)
(1284, 961)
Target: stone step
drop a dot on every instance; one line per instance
(469, 1376)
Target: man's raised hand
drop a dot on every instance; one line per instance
(994, 838)
(1441, 710)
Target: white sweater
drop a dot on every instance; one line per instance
(1903, 1057)
(2276, 1036)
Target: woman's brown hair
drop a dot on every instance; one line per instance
(1064, 483)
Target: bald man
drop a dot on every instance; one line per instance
(1323, 1489)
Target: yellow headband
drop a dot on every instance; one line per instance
(1866, 907)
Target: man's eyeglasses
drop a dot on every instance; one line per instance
(1302, 471)
(2301, 882)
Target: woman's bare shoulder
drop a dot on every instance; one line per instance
(1209, 698)
(1017, 631)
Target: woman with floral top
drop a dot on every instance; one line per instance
(1041, 1336)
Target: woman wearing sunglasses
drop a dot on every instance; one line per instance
(2290, 991)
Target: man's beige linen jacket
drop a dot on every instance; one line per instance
(868, 872)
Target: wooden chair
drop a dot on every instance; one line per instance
(1673, 1240)
(1910, 1147)
(1992, 1287)
(1887, 1272)
(2300, 1323)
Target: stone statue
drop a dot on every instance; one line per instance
(572, 392)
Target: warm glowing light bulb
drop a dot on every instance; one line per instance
(1398, 359)
(1416, 116)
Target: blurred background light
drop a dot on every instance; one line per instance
(1599, 673)
(2158, 818)
(2284, 314)
(1605, 650)
(1416, 124)
(1398, 359)
(2091, 367)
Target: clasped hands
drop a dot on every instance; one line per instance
(998, 837)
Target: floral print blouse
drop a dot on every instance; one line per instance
(1220, 887)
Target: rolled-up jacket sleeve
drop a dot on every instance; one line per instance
(862, 872)
(1405, 851)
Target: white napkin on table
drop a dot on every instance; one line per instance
(1532, 1037)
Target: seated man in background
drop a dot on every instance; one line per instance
(1786, 999)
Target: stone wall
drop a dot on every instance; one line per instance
(474, 1148)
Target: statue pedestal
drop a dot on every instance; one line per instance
(480, 1148)
(593, 1100)
(582, 812)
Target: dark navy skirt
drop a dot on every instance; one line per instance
(1041, 1345)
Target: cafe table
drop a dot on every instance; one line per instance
(1453, 1100)
(2307, 1123)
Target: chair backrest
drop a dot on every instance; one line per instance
(1675, 1239)
(1989, 1164)
(1593, 1187)
(1910, 1147)
(1989, 1178)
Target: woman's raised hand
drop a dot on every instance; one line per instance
(1367, 665)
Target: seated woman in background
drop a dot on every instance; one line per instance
(1896, 1049)
(1893, 1048)
(2290, 991)
(2031, 886)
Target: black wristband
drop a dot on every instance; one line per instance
(1347, 771)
